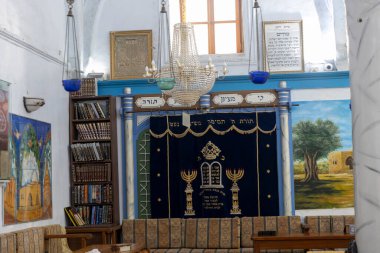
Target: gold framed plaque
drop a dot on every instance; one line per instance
(283, 46)
(130, 52)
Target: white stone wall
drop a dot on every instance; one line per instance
(31, 44)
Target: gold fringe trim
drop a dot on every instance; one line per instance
(210, 127)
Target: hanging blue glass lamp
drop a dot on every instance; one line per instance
(71, 78)
(259, 76)
(162, 74)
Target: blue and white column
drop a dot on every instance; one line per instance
(363, 17)
(130, 172)
(205, 102)
(284, 101)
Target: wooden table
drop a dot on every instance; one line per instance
(301, 241)
(104, 248)
(108, 232)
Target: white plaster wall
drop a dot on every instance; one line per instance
(120, 15)
(31, 44)
(102, 17)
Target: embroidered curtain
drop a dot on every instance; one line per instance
(224, 165)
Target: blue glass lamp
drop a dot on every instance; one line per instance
(162, 75)
(71, 80)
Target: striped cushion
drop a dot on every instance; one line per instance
(211, 233)
(8, 243)
(30, 240)
(153, 233)
(188, 250)
(323, 224)
(282, 224)
(58, 245)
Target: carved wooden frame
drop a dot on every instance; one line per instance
(130, 52)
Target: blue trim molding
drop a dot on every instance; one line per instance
(313, 80)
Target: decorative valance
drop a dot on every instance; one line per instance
(219, 124)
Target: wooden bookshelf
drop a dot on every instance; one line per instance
(93, 162)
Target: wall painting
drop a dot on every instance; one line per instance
(322, 153)
(28, 195)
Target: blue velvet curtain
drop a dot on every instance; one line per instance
(224, 165)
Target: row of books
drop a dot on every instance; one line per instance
(95, 151)
(91, 194)
(91, 110)
(96, 214)
(87, 88)
(93, 131)
(73, 216)
(83, 173)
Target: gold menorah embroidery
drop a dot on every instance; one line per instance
(235, 175)
(189, 177)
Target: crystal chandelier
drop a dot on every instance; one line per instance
(191, 79)
(71, 69)
(258, 76)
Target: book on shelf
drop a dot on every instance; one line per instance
(95, 151)
(87, 88)
(89, 215)
(92, 194)
(97, 109)
(84, 173)
(73, 216)
(93, 131)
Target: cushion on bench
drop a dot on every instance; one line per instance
(30, 240)
(153, 233)
(56, 245)
(282, 224)
(188, 250)
(211, 233)
(327, 224)
(8, 243)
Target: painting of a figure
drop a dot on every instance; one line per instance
(27, 197)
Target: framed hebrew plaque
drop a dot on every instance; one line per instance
(283, 46)
(130, 52)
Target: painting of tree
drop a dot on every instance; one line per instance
(322, 154)
(312, 141)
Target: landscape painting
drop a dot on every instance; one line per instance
(27, 196)
(322, 154)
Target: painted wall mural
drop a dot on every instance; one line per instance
(4, 127)
(322, 153)
(28, 195)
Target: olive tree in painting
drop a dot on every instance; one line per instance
(313, 141)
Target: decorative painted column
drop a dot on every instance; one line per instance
(130, 171)
(363, 17)
(284, 101)
(205, 102)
